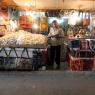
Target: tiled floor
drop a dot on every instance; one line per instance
(47, 83)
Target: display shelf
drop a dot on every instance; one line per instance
(81, 57)
(81, 63)
(21, 58)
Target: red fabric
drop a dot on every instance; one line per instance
(4, 14)
(80, 64)
(24, 23)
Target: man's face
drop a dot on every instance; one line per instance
(55, 24)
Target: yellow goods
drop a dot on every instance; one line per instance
(43, 24)
(25, 39)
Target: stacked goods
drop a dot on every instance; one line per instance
(23, 38)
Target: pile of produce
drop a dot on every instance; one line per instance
(23, 39)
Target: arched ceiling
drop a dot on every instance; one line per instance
(56, 4)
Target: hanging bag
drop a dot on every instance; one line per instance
(79, 20)
(86, 20)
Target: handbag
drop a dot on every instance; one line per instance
(86, 20)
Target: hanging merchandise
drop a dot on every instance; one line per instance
(43, 24)
(54, 13)
(3, 16)
(13, 13)
(75, 18)
(22, 21)
(29, 22)
(35, 25)
(25, 22)
(79, 19)
(86, 20)
(72, 19)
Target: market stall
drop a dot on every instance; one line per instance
(25, 24)
(18, 47)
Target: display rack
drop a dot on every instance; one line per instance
(12, 57)
(81, 63)
(81, 57)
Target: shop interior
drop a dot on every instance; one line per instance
(25, 24)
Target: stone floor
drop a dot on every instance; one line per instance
(47, 83)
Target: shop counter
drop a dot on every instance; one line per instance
(83, 61)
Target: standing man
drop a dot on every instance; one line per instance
(55, 35)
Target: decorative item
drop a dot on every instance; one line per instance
(43, 24)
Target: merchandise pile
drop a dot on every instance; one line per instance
(23, 38)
